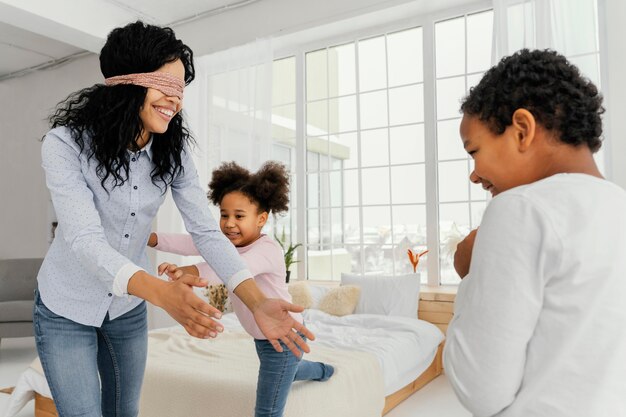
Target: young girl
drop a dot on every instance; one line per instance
(114, 150)
(245, 202)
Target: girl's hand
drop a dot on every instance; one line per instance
(172, 271)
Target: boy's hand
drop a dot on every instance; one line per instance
(172, 271)
(463, 254)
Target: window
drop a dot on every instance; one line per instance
(462, 54)
(378, 150)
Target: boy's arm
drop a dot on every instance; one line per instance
(498, 304)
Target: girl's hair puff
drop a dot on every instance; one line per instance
(268, 188)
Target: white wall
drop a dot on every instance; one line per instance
(25, 105)
(615, 17)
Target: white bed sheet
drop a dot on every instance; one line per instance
(404, 347)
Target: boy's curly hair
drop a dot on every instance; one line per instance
(268, 187)
(547, 85)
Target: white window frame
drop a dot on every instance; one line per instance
(298, 50)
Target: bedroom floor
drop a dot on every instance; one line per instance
(435, 399)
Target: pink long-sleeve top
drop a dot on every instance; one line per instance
(264, 258)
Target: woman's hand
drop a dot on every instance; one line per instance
(273, 318)
(178, 299)
(188, 309)
(463, 254)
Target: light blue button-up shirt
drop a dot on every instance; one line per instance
(101, 232)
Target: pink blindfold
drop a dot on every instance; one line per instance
(166, 83)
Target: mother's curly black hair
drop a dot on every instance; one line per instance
(546, 84)
(268, 188)
(108, 117)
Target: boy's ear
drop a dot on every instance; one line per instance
(524, 128)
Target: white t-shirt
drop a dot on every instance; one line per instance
(540, 320)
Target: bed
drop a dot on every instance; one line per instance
(379, 361)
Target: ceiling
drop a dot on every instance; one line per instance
(41, 33)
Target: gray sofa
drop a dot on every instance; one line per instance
(18, 280)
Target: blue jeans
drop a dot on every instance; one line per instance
(277, 372)
(93, 371)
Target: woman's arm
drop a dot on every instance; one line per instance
(83, 232)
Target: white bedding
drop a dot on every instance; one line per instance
(402, 347)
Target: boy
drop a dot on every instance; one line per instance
(540, 324)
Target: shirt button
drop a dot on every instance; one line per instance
(132, 214)
(135, 187)
(126, 235)
(110, 295)
(134, 159)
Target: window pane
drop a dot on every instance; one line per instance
(450, 47)
(453, 181)
(284, 81)
(449, 143)
(479, 40)
(473, 80)
(450, 92)
(408, 184)
(351, 225)
(576, 27)
(351, 187)
(374, 148)
(316, 75)
(377, 239)
(284, 122)
(589, 66)
(404, 51)
(317, 118)
(372, 64)
(347, 149)
(407, 144)
(373, 109)
(336, 189)
(375, 186)
(313, 190)
(341, 70)
(313, 224)
(325, 236)
(324, 194)
(478, 209)
(406, 105)
(342, 114)
(477, 193)
(355, 252)
(453, 224)
(409, 232)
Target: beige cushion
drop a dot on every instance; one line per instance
(340, 301)
(300, 293)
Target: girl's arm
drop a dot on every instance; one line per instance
(178, 243)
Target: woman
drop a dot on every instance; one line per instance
(112, 153)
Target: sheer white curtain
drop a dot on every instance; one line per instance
(570, 27)
(228, 109)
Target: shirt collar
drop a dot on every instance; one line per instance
(147, 148)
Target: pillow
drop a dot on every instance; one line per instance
(317, 293)
(300, 293)
(386, 295)
(340, 301)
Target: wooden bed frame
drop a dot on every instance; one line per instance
(436, 306)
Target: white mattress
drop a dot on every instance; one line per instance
(404, 347)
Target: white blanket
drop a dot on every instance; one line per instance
(188, 377)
